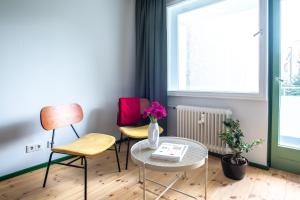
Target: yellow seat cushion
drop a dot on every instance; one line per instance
(137, 131)
(88, 145)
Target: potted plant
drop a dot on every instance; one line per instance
(234, 164)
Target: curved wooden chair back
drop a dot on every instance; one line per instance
(144, 103)
(53, 117)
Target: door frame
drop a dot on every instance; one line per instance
(278, 157)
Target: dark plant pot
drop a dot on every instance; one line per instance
(236, 172)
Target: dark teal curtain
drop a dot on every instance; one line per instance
(151, 51)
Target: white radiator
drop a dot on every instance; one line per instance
(203, 125)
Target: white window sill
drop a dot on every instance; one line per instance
(239, 96)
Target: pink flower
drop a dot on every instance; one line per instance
(155, 104)
(155, 112)
(147, 112)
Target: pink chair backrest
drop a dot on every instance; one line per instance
(53, 117)
(131, 110)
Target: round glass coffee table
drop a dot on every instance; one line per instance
(195, 157)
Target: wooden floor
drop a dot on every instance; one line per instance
(65, 183)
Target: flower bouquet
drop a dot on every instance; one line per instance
(155, 112)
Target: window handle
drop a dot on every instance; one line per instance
(258, 32)
(278, 79)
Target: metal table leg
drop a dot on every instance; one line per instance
(169, 187)
(206, 174)
(184, 175)
(144, 182)
(140, 175)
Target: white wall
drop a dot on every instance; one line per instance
(55, 52)
(253, 116)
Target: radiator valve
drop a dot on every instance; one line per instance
(202, 118)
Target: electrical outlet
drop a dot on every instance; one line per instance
(32, 148)
(37, 147)
(29, 148)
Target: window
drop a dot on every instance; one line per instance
(217, 48)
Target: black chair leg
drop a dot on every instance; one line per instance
(81, 160)
(116, 151)
(85, 178)
(128, 144)
(48, 166)
(121, 139)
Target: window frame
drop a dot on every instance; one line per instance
(173, 54)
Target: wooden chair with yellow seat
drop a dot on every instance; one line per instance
(92, 144)
(133, 131)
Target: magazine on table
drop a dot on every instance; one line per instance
(170, 152)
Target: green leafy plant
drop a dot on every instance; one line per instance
(233, 136)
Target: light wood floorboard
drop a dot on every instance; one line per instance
(104, 182)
